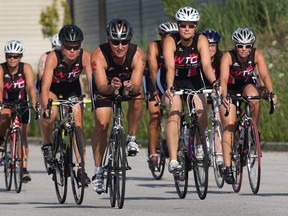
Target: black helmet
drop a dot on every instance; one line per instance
(119, 29)
(70, 34)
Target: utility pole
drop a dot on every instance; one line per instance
(102, 20)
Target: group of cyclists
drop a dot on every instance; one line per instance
(182, 58)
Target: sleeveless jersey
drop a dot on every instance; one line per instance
(14, 86)
(242, 72)
(64, 72)
(187, 58)
(123, 71)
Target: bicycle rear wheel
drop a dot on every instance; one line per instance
(18, 160)
(8, 161)
(59, 170)
(254, 158)
(120, 167)
(157, 172)
(217, 139)
(236, 162)
(77, 164)
(181, 178)
(200, 166)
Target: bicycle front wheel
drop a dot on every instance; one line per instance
(59, 170)
(237, 162)
(254, 158)
(181, 178)
(8, 161)
(77, 165)
(158, 170)
(201, 162)
(18, 159)
(120, 167)
(216, 141)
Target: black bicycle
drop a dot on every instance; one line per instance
(246, 148)
(14, 149)
(115, 159)
(195, 141)
(67, 150)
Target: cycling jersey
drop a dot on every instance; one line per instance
(123, 72)
(242, 73)
(14, 85)
(65, 81)
(64, 72)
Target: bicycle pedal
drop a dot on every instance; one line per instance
(128, 168)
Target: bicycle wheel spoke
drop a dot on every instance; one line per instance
(236, 162)
(181, 178)
(18, 160)
(8, 161)
(158, 170)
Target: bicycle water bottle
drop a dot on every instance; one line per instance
(184, 136)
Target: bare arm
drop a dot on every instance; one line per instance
(152, 61)
(29, 78)
(51, 63)
(86, 59)
(41, 65)
(226, 62)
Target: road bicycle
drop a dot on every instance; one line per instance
(246, 149)
(195, 138)
(115, 159)
(13, 158)
(215, 138)
(157, 170)
(67, 149)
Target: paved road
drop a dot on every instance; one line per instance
(145, 196)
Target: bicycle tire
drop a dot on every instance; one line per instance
(254, 157)
(200, 167)
(236, 162)
(218, 173)
(8, 161)
(160, 167)
(181, 178)
(120, 168)
(76, 166)
(59, 170)
(111, 178)
(18, 160)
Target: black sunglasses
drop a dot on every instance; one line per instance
(247, 46)
(117, 42)
(191, 26)
(13, 56)
(69, 47)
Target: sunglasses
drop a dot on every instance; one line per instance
(247, 46)
(191, 26)
(13, 56)
(117, 42)
(68, 47)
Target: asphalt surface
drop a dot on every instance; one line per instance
(146, 196)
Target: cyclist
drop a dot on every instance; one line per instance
(216, 54)
(117, 64)
(183, 54)
(156, 62)
(16, 80)
(61, 78)
(240, 63)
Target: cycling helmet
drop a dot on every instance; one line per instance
(119, 29)
(168, 28)
(243, 36)
(187, 14)
(70, 34)
(55, 41)
(13, 46)
(212, 35)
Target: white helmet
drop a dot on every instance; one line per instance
(187, 14)
(55, 41)
(168, 28)
(243, 36)
(13, 46)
